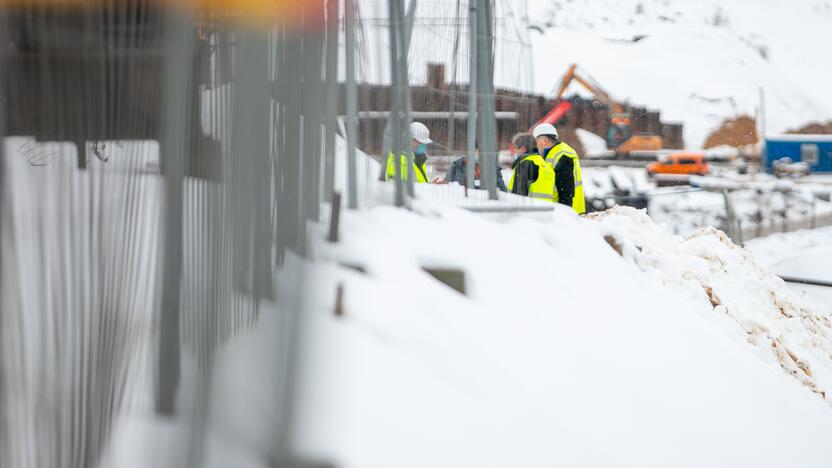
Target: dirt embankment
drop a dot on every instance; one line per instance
(814, 128)
(738, 132)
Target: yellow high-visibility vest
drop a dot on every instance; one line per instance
(420, 172)
(544, 185)
(552, 157)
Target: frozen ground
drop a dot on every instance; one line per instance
(562, 351)
(802, 254)
(762, 203)
(660, 357)
(764, 206)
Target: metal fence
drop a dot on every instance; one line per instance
(160, 170)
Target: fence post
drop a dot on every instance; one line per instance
(332, 17)
(472, 95)
(396, 104)
(177, 74)
(488, 134)
(352, 103)
(730, 220)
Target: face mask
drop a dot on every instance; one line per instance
(421, 149)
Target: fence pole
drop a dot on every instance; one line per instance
(352, 103)
(178, 69)
(730, 220)
(452, 106)
(472, 95)
(332, 17)
(396, 105)
(405, 33)
(488, 137)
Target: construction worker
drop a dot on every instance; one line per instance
(457, 173)
(531, 175)
(418, 144)
(569, 188)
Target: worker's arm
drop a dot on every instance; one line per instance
(501, 184)
(565, 180)
(525, 175)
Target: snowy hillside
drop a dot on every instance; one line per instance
(584, 342)
(562, 353)
(698, 62)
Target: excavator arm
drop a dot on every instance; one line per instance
(562, 107)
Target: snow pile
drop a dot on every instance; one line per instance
(698, 62)
(561, 352)
(802, 254)
(724, 282)
(593, 144)
(777, 248)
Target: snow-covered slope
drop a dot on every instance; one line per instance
(801, 254)
(698, 62)
(561, 353)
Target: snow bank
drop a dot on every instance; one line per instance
(803, 254)
(593, 144)
(562, 352)
(727, 285)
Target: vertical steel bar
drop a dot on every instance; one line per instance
(488, 127)
(396, 107)
(5, 442)
(470, 160)
(352, 103)
(451, 144)
(406, 33)
(313, 115)
(292, 116)
(332, 17)
(249, 185)
(178, 69)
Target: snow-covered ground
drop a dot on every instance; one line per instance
(698, 62)
(593, 144)
(603, 341)
(801, 254)
(762, 207)
(681, 352)
(762, 203)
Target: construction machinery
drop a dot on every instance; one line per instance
(619, 135)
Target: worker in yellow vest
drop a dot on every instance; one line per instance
(419, 145)
(531, 175)
(569, 184)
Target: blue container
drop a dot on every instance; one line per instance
(816, 150)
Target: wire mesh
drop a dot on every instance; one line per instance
(157, 178)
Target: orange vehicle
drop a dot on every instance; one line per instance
(680, 163)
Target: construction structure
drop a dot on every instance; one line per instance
(443, 107)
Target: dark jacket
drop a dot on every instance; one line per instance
(525, 174)
(564, 178)
(456, 173)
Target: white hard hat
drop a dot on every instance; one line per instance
(420, 133)
(545, 129)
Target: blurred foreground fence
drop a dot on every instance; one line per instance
(160, 163)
